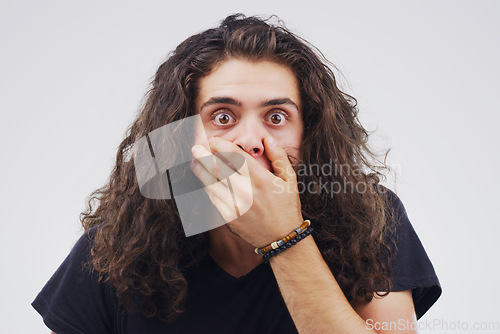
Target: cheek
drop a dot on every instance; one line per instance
(290, 138)
(228, 134)
(290, 141)
(200, 134)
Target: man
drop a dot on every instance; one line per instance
(263, 94)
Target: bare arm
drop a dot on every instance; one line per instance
(318, 305)
(393, 313)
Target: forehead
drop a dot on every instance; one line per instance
(248, 81)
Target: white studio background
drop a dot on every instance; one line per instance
(425, 75)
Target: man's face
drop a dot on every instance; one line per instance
(244, 102)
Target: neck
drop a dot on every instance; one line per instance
(232, 253)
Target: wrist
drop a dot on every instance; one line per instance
(289, 240)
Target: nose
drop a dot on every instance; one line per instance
(249, 136)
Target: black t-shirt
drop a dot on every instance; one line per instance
(73, 301)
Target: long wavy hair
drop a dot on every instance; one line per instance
(139, 245)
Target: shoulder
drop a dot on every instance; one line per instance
(411, 267)
(394, 206)
(81, 250)
(74, 294)
(399, 230)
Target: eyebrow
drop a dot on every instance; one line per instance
(231, 101)
(221, 100)
(281, 101)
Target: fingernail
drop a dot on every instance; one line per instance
(195, 148)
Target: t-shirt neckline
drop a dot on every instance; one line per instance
(228, 277)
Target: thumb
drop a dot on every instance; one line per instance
(279, 160)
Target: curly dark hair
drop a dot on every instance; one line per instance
(140, 247)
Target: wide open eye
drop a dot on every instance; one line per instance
(223, 118)
(277, 118)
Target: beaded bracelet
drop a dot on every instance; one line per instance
(281, 242)
(288, 244)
